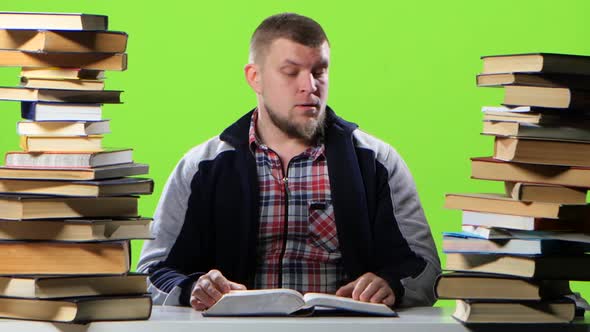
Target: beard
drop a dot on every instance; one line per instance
(308, 131)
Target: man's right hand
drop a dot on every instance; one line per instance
(209, 288)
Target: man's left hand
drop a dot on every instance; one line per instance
(368, 288)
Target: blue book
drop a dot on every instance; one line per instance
(43, 111)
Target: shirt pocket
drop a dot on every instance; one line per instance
(322, 232)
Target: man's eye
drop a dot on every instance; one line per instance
(289, 71)
(319, 72)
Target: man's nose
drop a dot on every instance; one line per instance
(308, 83)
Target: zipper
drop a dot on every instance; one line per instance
(285, 181)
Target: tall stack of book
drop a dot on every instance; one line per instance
(68, 206)
(518, 250)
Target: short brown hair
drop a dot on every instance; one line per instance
(295, 27)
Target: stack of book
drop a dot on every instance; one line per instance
(518, 250)
(68, 206)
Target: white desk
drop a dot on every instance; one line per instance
(178, 319)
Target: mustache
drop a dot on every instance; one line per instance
(314, 103)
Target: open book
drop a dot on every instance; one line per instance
(283, 302)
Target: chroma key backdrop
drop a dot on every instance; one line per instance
(404, 71)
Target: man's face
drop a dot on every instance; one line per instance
(293, 87)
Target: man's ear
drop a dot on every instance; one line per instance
(252, 73)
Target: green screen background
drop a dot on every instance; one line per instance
(403, 70)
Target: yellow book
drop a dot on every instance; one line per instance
(91, 143)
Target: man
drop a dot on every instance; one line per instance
(291, 195)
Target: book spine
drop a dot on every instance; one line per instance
(579, 99)
(27, 110)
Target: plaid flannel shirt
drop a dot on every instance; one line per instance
(297, 238)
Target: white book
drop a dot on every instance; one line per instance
(533, 244)
(65, 160)
(497, 220)
(531, 130)
(520, 109)
(283, 302)
(507, 234)
(486, 232)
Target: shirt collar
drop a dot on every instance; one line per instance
(254, 141)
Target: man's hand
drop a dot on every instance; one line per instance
(368, 288)
(209, 288)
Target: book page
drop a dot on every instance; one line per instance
(263, 302)
(345, 303)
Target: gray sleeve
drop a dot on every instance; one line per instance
(408, 212)
(168, 221)
(165, 282)
(419, 291)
